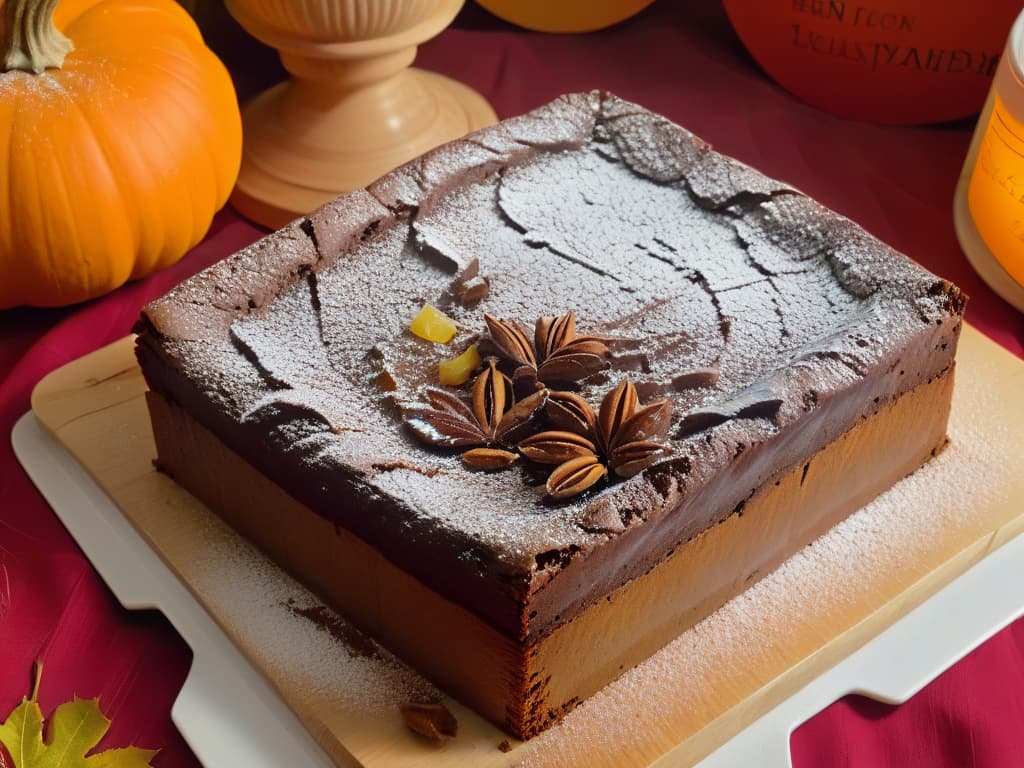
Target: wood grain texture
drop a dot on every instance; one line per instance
(95, 407)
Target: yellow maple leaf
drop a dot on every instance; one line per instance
(74, 728)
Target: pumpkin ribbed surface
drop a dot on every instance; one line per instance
(115, 163)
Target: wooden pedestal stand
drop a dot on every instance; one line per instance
(353, 108)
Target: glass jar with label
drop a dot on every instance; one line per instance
(989, 206)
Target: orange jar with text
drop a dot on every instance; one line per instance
(895, 62)
(989, 206)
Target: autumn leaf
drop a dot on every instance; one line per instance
(74, 728)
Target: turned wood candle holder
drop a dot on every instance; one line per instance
(353, 108)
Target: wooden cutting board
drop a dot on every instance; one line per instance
(692, 696)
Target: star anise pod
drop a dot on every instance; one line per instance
(556, 354)
(494, 419)
(624, 436)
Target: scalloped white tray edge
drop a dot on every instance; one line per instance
(226, 711)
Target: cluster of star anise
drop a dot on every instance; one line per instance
(557, 355)
(624, 436)
(494, 419)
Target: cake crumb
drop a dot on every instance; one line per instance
(432, 721)
(504, 746)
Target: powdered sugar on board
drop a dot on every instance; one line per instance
(289, 633)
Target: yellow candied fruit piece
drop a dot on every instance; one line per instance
(457, 371)
(433, 325)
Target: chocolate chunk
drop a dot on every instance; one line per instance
(432, 721)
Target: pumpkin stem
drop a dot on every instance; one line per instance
(31, 41)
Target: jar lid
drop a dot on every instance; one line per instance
(1009, 80)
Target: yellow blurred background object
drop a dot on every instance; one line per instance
(564, 15)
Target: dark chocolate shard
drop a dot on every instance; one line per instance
(471, 270)
(695, 378)
(469, 286)
(473, 291)
(757, 401)
(602, 516)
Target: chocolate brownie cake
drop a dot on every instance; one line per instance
(733, 368)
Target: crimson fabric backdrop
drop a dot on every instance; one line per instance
(678, 58)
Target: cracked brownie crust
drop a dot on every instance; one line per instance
(773, 324)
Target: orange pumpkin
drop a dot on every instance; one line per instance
(114, 157)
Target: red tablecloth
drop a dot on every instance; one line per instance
(677, 58)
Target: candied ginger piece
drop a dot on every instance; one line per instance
(457, 371)
(433, 325)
